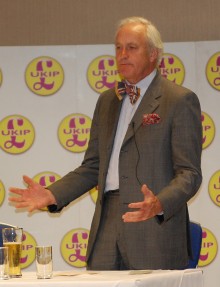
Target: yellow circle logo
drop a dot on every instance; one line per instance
(214, 188)
(94, 194)
(28, 250)
(17, 134)
(102, 73)
(172, 68)
(2, 192)
(209, 248)
(46, 178)
(213, 71)
(44, 76)
(74, 132)
(208, 128)
(74, 247)
(0, 77)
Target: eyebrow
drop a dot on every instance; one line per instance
(130, 43)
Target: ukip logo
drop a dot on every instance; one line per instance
(2, 193)
(213, 71)
(74, 247)
(172, 68)
(209, 248)
(214, 188)
(74, 132)
(208, 128)
(44, 76)
(94, 193)
(28, 250)
(17, 134)
(102, 73)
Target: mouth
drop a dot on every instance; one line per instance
(124, 65)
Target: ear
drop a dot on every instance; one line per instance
(153, 55)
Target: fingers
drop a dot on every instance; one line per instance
(147, 208)
(148, 195)
(136, 205)
(134, 216)
(15, 199)
(20, 191)
(30, 208)
(28, 197)
(146, 191)
(28, 180)
(15, 190)
(22, 205)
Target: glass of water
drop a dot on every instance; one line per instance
(44, 262)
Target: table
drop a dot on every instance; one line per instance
(157, 278)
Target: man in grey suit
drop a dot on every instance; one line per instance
(144, 155)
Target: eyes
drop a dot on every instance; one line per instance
(127, 48)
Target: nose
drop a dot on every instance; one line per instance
(124, 53)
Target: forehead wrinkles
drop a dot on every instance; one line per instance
(131, 34)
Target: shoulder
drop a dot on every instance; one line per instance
(107, 100)
(172, 87)
(107, 96)
(108, 93)
(170, 90)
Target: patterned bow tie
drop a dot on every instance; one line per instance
(122, 89)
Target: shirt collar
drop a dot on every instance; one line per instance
(145, 83)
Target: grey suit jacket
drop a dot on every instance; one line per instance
(165, 156)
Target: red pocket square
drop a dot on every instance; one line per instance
(150, 119)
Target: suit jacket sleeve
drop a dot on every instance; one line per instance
(82, 179)
(186, 146)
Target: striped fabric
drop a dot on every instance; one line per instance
(122, 89)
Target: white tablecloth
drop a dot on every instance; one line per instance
(159, 278)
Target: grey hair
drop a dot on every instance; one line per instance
(153, 37)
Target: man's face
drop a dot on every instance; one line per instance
(134, 59)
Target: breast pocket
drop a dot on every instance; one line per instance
(153, 136)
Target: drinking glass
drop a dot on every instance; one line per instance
(12, 238)
(44, 263)
(4, 266)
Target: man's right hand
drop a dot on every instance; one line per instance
(33, 197)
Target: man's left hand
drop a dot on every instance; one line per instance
(147, 208)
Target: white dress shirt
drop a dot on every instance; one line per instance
(126, 115)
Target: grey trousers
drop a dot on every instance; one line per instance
(109, 250)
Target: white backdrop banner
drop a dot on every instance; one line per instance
(47, 98)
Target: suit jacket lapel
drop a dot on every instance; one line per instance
(113, 117)
(148, 105)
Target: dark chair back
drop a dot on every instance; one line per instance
(3, 225)
(196, 242)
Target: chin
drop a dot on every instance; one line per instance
(125, 75)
